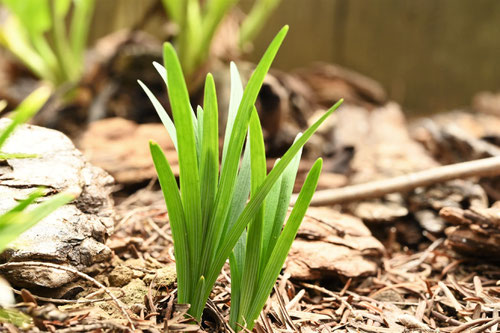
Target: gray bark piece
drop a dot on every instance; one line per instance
(74, 234)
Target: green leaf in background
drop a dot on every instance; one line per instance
(33, 14)
(175, 9)
(79, 30)
(256, 19)
(25, 111)
(37, 32)
(16, 317)
(197, 23)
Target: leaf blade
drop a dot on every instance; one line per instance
(176, 219)
(187, 151)
(164, 117)
(250, 275)
(209, 151)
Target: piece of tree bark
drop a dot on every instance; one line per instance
(476, 232)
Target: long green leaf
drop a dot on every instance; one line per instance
(250, 276)
(256, 19)
(188, 155)
(22, 205)
(278, 207)
(17, 40)
(284, 244)
(163, 73)
(80, 23)
(11, 156)
(234, 102)
(210, 151)
(237, 258)
(177, 220)
(25, 111)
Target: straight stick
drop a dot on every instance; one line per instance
(486, 167)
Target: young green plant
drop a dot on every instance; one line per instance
(197, 23)
(209, 211)
(25, 34)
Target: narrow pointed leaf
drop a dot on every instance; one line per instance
(199, 118)
(254, 237)
(275, 215)
(25, 111)
(234, 102)
(210, 151)
(164, 117)
(163, 73)
(177, 220)
(188, 155)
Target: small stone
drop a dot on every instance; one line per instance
(163, 277)
(134, 292)
(120, 276)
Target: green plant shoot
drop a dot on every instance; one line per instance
(209, 210)
(58, 59)
(197, 23)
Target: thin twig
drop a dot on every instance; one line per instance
(485, 167)
(63, 300)
(329, 293)
(76, 272)
(470, 324)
